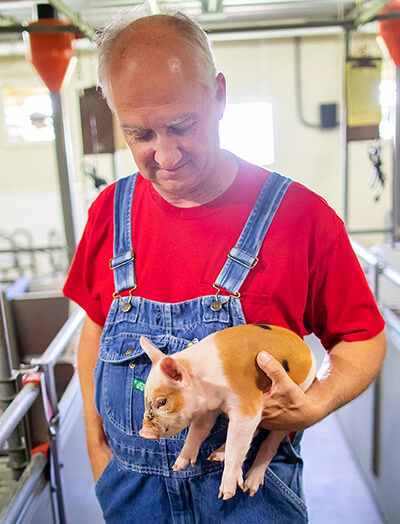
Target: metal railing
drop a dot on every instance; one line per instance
(380, 269)
(41, 377)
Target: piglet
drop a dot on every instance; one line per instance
(220, 374)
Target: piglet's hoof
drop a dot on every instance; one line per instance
(180, 464)
(254, 479)
(229, 483)
(218, 455)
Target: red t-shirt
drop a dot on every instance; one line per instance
(308, 278)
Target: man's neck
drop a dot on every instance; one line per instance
(224, 174)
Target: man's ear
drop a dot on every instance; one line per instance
(151, 350)
(175, 371)
(220, 94)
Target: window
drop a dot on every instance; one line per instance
(247, 130)
(28, 114)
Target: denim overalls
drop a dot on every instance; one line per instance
(139, 485)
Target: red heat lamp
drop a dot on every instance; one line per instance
(50, 53)
(390, 31)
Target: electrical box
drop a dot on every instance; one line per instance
(328, 116)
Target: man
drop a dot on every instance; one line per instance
(153, 261)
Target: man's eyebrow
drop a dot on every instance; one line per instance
(132, 129)
(128, 128)
(181, 120)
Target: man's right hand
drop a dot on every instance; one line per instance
(99, 455)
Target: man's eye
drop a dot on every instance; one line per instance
(138, 136)
(181, 130)
(143, 138)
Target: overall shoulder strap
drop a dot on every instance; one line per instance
(243, 257)
(123, 261)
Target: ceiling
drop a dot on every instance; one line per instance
(214, 15)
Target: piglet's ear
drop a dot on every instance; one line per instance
(151, 350)
(176, 371)
(171, 369)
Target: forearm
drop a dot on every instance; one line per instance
(97, 445)
(347, 371)
(87, 356)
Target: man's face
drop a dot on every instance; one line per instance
(170, 122)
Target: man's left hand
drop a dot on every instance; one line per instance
(286, 406)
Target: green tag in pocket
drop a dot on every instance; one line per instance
(138, 384)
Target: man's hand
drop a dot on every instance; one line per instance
(99, 455)
(348, 369)
(286, 406)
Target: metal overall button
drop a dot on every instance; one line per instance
(125, 305)
(216, 305)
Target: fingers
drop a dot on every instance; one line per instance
(271, 367)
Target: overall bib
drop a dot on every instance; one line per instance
(139, 485)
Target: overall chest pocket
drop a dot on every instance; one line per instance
(125, 368)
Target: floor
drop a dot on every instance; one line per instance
(335, 490)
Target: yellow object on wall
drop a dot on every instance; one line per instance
(362, 91)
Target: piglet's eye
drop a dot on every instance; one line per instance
(161, 402)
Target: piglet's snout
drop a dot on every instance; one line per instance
(148, 433)
(148, 430)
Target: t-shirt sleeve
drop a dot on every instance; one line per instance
(80, 285)
(340, 305)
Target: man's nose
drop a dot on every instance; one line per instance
(167, 153)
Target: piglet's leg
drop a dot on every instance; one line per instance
(240, 433)
(198, 431)
(219, 454)
(268, 449)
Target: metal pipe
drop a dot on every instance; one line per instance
(364, 253)
(42, 28)
(377, 399)
(65, 172)
(31, 249)
(369, 231)
(281, 26)
(15, 412)
(396, 164)
(48, 359)
(299, 94)
(56, 472)
(376, 427)
(343, 132)
(391, 274)
(47, 362)
(7, 355)
(32, 480)
(8, 387)
(384, 269)
(392, 319)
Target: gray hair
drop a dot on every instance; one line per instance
(195, 36)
